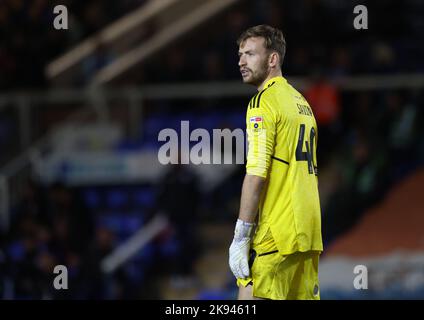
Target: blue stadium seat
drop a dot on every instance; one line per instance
(151, 127)
(153, 124)
(16, 251)
(214, 294)
(145, 254)
(117, 198)
(144, 197)
(109, 221)
(209, 122)
(91, 198)
(237, 120)
(135, 271)
(150, 144)
(124, 225)
(169, 248)
(129, 145)
(132, 223)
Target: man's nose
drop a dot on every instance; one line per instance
(242, 61)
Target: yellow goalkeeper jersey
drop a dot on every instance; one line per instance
(282, 135)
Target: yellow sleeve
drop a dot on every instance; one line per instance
(261, 129)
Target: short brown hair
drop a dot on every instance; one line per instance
(274, 38)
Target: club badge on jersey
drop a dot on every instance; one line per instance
(256, 124)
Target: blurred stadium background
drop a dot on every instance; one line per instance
(80, 112)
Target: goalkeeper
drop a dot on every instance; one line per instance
(277, 239)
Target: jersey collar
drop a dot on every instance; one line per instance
(275, 79)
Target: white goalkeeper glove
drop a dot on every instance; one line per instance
(239, 249)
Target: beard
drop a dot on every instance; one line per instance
(258, 76)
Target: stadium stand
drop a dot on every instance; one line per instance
(96, 182)
(388, 239)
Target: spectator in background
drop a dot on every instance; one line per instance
(400, 124)
(324, 99)
(69, 218)
(234, 24)
(32, 207)
(46, 231)
(364, 116)
(176, 63)
(212, 66)
(178, 199)
(341, 62)
(363, 168)
(93, 282)
(95, 62)
(383, 58)
(298, 62)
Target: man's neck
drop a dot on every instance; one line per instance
(272, 74)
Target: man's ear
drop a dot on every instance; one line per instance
(273, 59)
